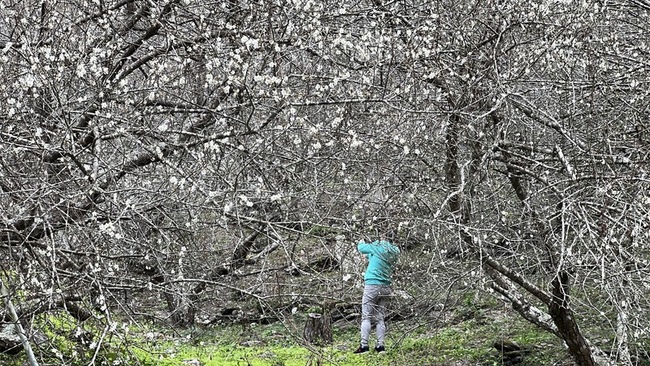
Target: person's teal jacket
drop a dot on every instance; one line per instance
(382, 256)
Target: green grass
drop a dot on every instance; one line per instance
(472, 340)
(268, 346)
(232, 355)
(274, 345)
(467, 336)
(295, 355)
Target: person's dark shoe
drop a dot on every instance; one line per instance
(380, 349)
(362, 349)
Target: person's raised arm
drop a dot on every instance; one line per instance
(365, 248)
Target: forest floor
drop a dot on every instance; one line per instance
(465, 336)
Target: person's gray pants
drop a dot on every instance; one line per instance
(373, 310)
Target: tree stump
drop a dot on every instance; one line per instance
(318, 329)
(9, 339)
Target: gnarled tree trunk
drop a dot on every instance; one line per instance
(563, 317)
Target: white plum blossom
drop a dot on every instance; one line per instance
(246, 200)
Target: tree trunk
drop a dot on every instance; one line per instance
(181, 308)
(452, 170)
(563, 317)
(622, 339)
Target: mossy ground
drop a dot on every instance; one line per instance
(469, 342)
(459, 342)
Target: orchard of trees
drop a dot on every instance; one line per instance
(160, 158)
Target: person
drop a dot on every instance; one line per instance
(382, 256)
